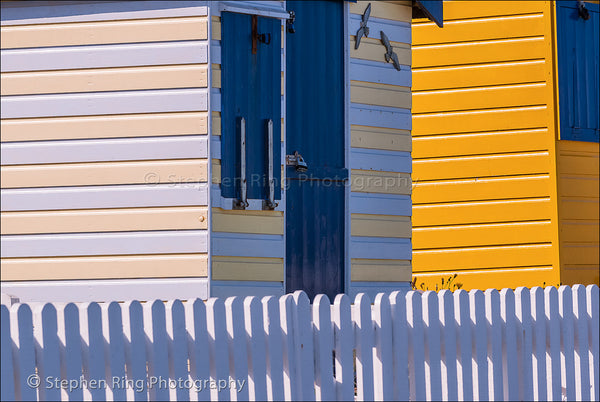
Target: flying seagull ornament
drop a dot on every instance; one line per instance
(389, 51)
(364, 29)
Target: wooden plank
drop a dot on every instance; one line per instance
(578, 209)
(524, 342)
(216, 171)
(115, 102)
(479, 29)
(481, 166)
(99, 56)
(397, 31)
(481, 212)
(449, 352)
(216, 75)
(79, 174)
(217, 345)
(579, 165)
(482, 257)
(323, 343)
(126, 243)
(247, 269)
(304, 345)
(478, 75)
(274, 345)
(386, 10)
(380, 116)
(22, 335)
(509, 336)
(95, 197)
(416, 346)
(236, 344)
(480, 98)
(379, 72)
(216, 123)
(380, 247)
(577, 231)
(567, 335)
(553, 348)
(376, 94)
(61, 268)
(482, 235)
(582, 344)
(108, 79)
(363, 335)
(592, 306)
(480, 345)
(480, 120)
(133, 331)
(580, 254)
(104, 220)
(493, 142)
(215, 28)
(380, 138)
(492, 51)
(400, 348)
(133, 125)
(247, 245)
(343, 332)
(257, 349)
(380, 160)
(157, 347)
(464, 346)
(433, 346)
(178, 350)
(373, 270)
(371, 49)
(261, 222)
(380, 204)
(290, 361)
(91, 33)
(540, 338)
(380, 225)
(482, 189)
(104, 150)
(199, 363)
(8, 374)
(461, 9)
(380, 182)
(94, 357)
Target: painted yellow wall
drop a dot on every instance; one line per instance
(484, 175)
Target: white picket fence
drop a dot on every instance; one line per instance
(533, 344)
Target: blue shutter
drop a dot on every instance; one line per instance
(578, 82)
(434, 9)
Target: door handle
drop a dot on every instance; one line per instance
(242, 202)
(270, 201)
(297, 161)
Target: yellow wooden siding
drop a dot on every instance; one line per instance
(104, 267)
(578, 166)
(105, 74)
(483, 153)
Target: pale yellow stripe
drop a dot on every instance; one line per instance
(380, 138)
(366, 181)
(106, 267)
(380, 94)
(216, 171)
(104, 220)
(216, 123)
(373, 49)
(216, 75)
(247, 269)
(130, 125)
(88, 33)
(87, 174)
(104, 79)
(381, 225)
(216, 28)
(399, 11)
(259, 222)
(364, 270)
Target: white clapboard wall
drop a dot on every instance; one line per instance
(526, 344)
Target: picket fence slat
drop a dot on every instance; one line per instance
(538, 344)
(592, 297)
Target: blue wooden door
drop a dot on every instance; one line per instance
(315, 211)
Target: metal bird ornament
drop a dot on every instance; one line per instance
(389, 54)
(364, 29)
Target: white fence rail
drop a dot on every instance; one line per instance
(533, 344)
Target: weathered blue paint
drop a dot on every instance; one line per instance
(578, 43)
(315, 128)
(434, 9)
(251, 88)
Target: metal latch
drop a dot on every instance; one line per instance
(242, 202)
(297, 161)
(270, 203)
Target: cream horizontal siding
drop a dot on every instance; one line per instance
(380, 155)
(104, 141)
(483, 145)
